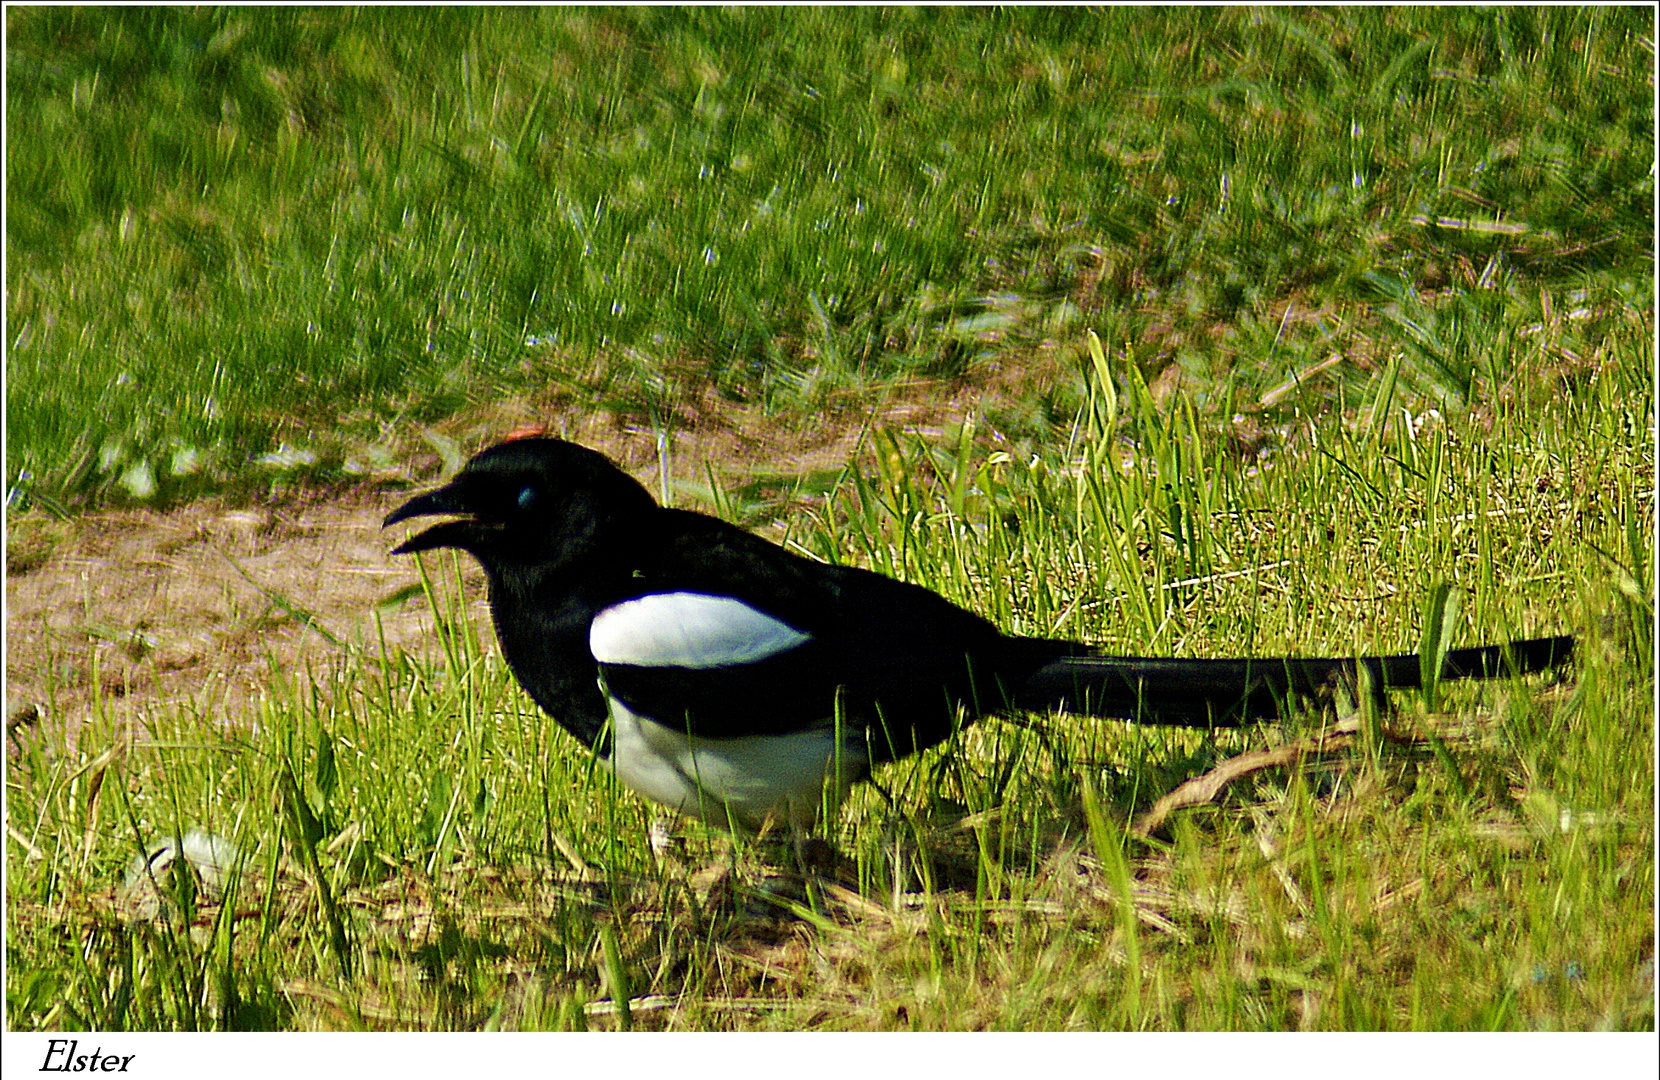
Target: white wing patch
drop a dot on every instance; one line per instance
(688, 630)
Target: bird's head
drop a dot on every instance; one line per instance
(530, 503)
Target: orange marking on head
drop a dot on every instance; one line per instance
(530, 431)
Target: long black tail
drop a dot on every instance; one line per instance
(1226, 692)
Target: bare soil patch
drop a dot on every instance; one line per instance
(157, 608)
(196, 605)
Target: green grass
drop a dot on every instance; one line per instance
(335, 229)
(245, 245)
(420, 848)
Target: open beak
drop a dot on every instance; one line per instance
(446, 500)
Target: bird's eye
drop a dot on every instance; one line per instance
(527, 498)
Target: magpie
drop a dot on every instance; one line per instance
(731, 680)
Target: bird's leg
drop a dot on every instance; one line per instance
(815, 861)
(814, 855)
(712, 883)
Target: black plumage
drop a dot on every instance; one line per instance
(735, 668)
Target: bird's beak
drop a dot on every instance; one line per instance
(446, 500)
(442, 501)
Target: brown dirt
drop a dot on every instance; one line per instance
(159, 601)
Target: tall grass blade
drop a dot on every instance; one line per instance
(1441, 611)
(1108, 842)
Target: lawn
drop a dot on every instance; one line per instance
(1195, 332)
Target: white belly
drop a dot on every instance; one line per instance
(742, 782)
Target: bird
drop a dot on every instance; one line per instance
(731, 680)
